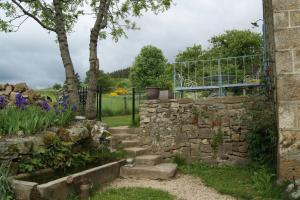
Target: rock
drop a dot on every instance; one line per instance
(12, 96)
(78, 133)
(8, 90)
(30, 95)
(20, 87)
(2, 87)
(293, 189)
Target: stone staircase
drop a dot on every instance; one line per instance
(145, 165)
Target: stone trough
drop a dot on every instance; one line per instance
(62, 188)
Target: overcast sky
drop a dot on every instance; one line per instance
(31, 55)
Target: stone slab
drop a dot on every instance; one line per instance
(148, 160)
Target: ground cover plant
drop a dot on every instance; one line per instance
(241, 182)
(6, 192)
(130, 194)
(30, 119)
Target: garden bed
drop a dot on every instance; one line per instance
(61, 188)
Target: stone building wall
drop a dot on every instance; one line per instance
(286, 15)
(187, 127)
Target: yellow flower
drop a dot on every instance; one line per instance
(113, 94)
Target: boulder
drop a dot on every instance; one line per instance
(79, 133)
(20, 87)
(12, 96)
(8, 90)
(2, 87)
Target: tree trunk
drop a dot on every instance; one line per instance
(93, 59)
(65, 53)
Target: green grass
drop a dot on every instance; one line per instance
(118, 120)
(131, 194)
(48, 93)
(235, 181)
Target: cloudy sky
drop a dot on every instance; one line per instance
(31, 55)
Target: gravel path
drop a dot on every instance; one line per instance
(184, 187)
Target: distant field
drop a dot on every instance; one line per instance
(48, 93)
(111, 106)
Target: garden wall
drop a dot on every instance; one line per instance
(211, 130)
(10, 91)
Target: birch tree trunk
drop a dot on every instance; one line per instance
(65, 53)
(93, 59)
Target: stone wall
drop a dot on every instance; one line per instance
(83, 135)
(286, 16)
(187, 127)
(9, 91)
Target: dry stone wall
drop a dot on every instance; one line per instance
(191, 128)
(10, 91)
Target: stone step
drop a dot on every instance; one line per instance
(136, 151)
(129, 143)
(163, 171)
(148, 160)
(122, 129)
(123, 136)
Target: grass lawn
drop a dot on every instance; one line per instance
(48, 92)
(129, 194)
(118, 120)
(132, 194)
(236, 181)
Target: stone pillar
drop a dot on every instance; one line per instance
(286, 15)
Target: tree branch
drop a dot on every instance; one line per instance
(32, 16)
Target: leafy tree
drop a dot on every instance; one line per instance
(121, 73)
(148, 68)
(114, 17)
(57, 86)
(54, 16)
(190, 53)
(103, 80)
(235, 43)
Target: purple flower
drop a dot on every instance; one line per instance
(20, 101)
(2, 102)
(45, 106)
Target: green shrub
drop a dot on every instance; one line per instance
(31, 120)
(60, 156)
(179, 160)
(6, 192)
(262, 137)
(264, 181)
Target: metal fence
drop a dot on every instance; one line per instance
(218, 74)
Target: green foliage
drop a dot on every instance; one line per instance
(132, 194)
(60, 156)
(148, 68)
(6, 192)
(190, 53)
(114, 121)
(179, 160)
(239, 182)
(262, 137)
(41, 12)
(235, 43)
(103, 80)
(264, 181)
(121, 73)
(217, 140)
(31, 120)
(57, 86)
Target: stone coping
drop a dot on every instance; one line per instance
(208, 100)
(61, 188)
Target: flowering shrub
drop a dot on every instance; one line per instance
(20, 101)
(3, 102)
(119, 91)
(30, 119)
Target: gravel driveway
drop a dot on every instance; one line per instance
(184, 187)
